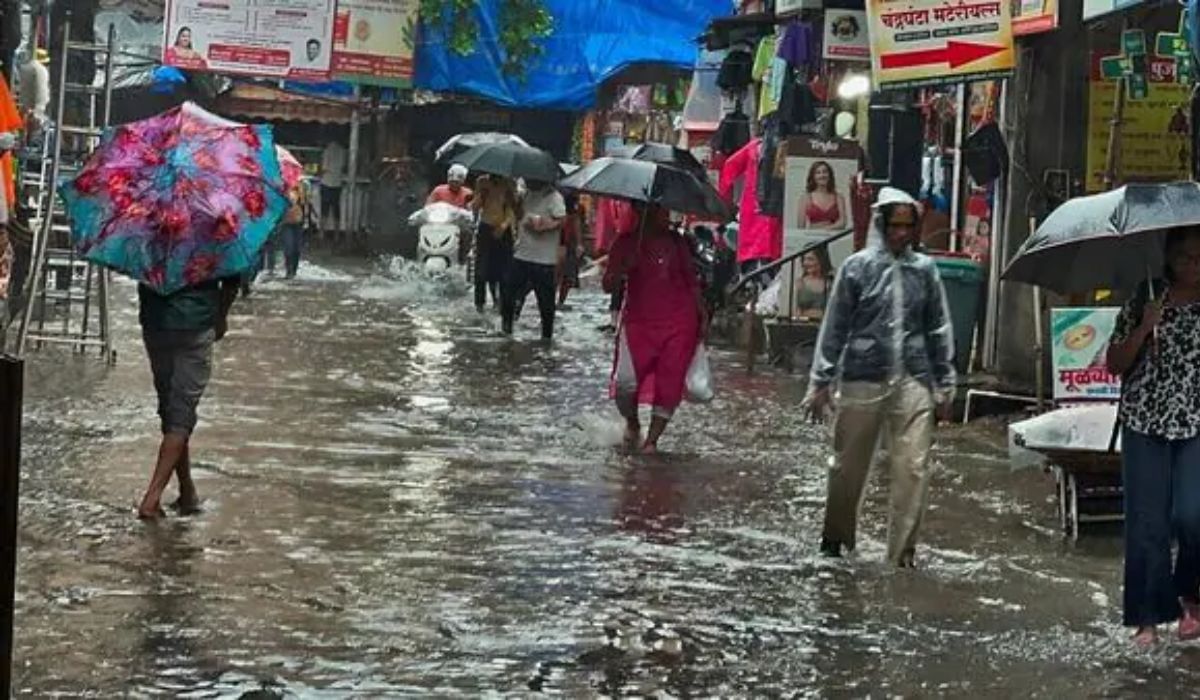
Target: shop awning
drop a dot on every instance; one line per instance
(258, 101)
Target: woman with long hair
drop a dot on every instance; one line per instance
(822, 207)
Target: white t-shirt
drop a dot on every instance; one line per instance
(35, 87)
(540, 247)
(333, 165)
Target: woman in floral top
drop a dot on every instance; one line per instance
(1156, 348)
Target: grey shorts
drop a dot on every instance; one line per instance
(182, 364)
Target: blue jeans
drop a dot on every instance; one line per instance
(292, 237)
(1162, 499)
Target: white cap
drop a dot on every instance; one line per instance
(892, 195)
(457, 173)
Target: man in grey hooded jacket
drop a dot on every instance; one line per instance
(888, 343)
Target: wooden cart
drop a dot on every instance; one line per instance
(1089, 486)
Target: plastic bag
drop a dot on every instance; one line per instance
(699, 377)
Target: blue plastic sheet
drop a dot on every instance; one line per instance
(592, 41)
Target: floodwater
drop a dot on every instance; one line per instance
(402, 503)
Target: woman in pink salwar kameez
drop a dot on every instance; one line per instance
(662, 322)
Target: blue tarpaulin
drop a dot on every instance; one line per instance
(591, 42)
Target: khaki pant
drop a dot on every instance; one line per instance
(902, 417)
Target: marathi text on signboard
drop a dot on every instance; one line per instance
(846, 35)
(1155, 142)
(1080, 343)
(928, 42)
(269, 38)
(371, 43)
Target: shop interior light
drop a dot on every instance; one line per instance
(853, 87)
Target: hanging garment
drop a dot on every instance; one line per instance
(771, 169)
(801, 46)
(737, 71)
(764, 73)
(759, 236)
(733, 133)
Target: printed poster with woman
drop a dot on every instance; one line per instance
(816, 207)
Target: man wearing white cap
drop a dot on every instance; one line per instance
(454, 191)
(887, 342)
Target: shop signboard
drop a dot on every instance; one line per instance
(266, 38)
(1034, 16)
(372, 41)
(1096, 8)
(791, 7)
(931, 42)
(846, 36)
(816, 204)
(1155, 145)
(1079, 338)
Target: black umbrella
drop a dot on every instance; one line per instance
(461, 143)
(664, 154)
(511, 160)
(1112, 240)
(644, 181)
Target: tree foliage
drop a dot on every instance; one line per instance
(523, 25)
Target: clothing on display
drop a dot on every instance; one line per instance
(732, 134)
(801, 46)
(797, 106)
(769, 71)
(634, 99)
(737, 71)
(759, 236)
(771, 168)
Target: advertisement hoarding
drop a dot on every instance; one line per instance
(290, 39)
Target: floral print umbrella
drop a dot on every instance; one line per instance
(178, 199)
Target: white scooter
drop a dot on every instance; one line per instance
(440, 229)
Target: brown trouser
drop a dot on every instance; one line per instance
(902, 414)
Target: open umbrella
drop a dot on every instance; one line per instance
(177, 199)
(1112, 240)
(664, 154)
(289, 166)
(644, 181)
(456, 145)
(511, 160)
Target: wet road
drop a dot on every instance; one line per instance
(400, 503)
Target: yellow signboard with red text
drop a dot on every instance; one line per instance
(931, 42)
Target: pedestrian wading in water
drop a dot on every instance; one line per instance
(662, 322)
(1154, 347)
(179, 331)
(885, 363)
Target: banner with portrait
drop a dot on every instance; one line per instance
(816, 207)
(290, 39)
(373, 41)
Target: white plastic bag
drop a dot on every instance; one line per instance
(699, 377)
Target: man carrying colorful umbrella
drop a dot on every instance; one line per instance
(183, 203)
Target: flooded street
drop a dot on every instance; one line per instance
(399, 502)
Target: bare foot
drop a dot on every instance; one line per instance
(151, 513)
(1145, 637)
(1189, 623)
(633, 435)
(650, 448)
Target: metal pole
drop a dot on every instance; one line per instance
(1113, 163)
(352, 190)
(991, 319)
(956, 196)
(11, 396)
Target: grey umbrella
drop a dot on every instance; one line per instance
(644, 181)
(511, 160)
(664, 154)
(463, 142)
(1112, 240)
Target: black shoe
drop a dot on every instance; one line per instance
(830, 548)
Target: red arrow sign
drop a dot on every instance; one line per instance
(955, 53)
